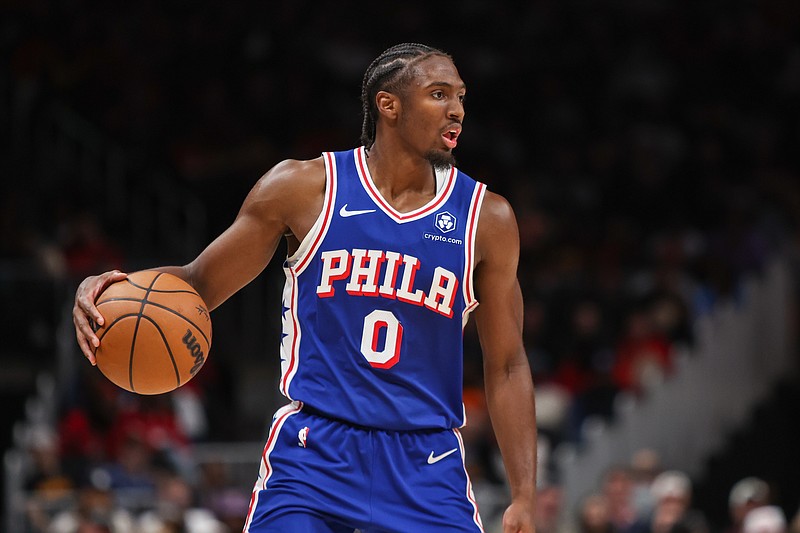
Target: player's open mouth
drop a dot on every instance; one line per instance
(450, 136)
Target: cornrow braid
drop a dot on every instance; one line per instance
(388, 72)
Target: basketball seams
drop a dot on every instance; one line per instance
(138, 346)
(137, 285)
(160, 306)
(169, 349)
(169, 309)
(160, 291)
(106, 329)
(184, 317)
(142, 287)
(117, 299)
(136, 330)
(158, 328)
(173, 291)
(144, 299)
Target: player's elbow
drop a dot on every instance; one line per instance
(505, 368)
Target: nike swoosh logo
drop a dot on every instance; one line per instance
(432, 459)
(343, 212)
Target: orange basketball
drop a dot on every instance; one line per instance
(157, 332)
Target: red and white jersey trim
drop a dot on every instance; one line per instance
(311, 242)
(290, 332)
(265, 469)
(295, 265)
(471, 302)
(438, 200)
(476, 517)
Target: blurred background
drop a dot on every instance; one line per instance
(649, 148)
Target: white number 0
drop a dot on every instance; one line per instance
(389, 354)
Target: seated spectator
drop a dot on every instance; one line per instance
(794, 527)
(46, 483)
(133, 474)
(218, 493)
(645, 467)
(85, 421)
(670, 316)
(594, 515)
(765, 519)
(745, 495)
(644, 355)
(672, 507)
(617, 489)
(153, 421)
(176, 509)
(96, 512)
(549, 504)
(580, 385)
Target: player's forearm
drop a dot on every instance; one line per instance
(178, 271)
(187, 274)
(510, 398)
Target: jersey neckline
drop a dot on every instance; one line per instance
(439, 199)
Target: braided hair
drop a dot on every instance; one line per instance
(388, 72)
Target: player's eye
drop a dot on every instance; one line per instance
(438, 94)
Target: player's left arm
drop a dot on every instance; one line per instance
(507, 374)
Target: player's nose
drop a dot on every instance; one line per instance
(455, 110)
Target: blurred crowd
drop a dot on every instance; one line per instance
(649, 150)
(645, 496)
(117, 462)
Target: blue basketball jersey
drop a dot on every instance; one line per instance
(375, 302)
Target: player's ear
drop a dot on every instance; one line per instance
(388, 104)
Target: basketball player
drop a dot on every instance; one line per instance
(391, 248)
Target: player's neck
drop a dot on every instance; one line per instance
(396, 172)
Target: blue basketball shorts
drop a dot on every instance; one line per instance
(319, 475)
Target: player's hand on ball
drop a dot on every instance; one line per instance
(156, 335)
(84, 312)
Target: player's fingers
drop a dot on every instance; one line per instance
(85, 314)
(87, 351)
(103, 281)
(115, 276)
(85, 310)
(87, 294)
(85, 344)
(81, 317)
(84, 327)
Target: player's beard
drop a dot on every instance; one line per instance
(441, 160)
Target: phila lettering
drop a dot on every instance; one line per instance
(386, 274)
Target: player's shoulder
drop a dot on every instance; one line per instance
(498, 234)
(293, 170)
(293, 177)
(496, 209)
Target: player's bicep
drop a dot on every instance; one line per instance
(243, 250)
(499, 315)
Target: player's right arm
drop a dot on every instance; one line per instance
(507, 375)
(286, 200)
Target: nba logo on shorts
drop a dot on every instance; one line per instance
(302, 435)
(445, 222)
